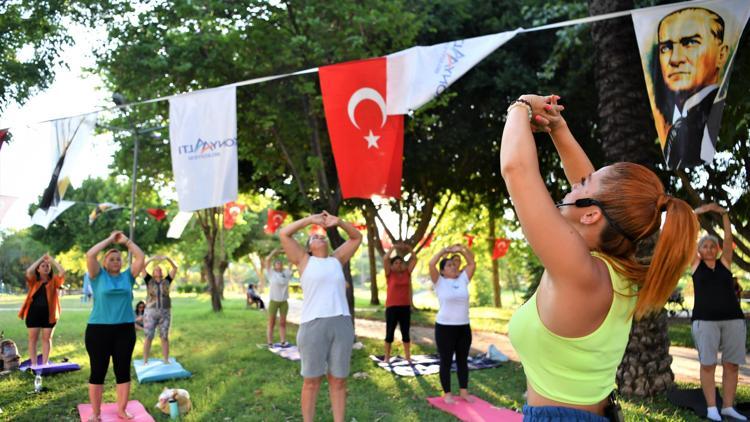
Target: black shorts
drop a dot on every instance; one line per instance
(38, 317)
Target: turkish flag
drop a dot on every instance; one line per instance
(360, 227)
(469, 240)
(231, 211)
(158, 213)
(367, 144)
(275, 219)
(501, 248)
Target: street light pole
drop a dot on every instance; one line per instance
(119, 100)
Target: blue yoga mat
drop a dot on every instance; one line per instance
(156, 370)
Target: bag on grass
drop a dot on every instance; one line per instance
(10, 357)
(182, 397)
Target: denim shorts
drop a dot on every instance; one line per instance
(559, 414)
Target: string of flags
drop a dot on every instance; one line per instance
(365, 101)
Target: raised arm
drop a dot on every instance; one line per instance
(575, 163)
(269, 259)
(344, 252)
(387, 260)
(293, 250)
(434, 271)
(32, 268)
(469, 257)
(139, 259)
(173, 271)
(148, 262)
(92, 264)
(543, 225)
(412, 262)
(59, 268)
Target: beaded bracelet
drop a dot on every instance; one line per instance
(520, 102)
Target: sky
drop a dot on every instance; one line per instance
(26, 163)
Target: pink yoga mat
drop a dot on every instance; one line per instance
(479, 411)
(109, 412)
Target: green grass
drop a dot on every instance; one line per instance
(233, 380)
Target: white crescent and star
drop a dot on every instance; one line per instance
(360, 95)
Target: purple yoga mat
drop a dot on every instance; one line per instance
(50, 368)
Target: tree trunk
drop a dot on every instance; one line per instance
(626, 128)
(374, 300)
(210, 225)
(256, 261)
(498, 300)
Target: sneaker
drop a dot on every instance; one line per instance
(284, 344)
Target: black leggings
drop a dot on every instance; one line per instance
(110, 340)
(452, 339)
(400, 315)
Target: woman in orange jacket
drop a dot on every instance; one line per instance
(41, 309)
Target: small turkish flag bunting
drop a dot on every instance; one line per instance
(501, 248)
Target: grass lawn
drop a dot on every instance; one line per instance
(235, 380)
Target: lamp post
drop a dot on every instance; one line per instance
(119, 100)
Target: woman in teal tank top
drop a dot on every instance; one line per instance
(587, 244)
(110, 333)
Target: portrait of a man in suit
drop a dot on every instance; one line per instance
(691, 56)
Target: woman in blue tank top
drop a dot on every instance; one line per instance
(110, 332)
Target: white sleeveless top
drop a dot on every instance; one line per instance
(279, 283)
(453, 294)
(323, 289)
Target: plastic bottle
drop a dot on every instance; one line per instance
(174, 409)
(38, 383)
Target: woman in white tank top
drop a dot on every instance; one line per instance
(326, 332)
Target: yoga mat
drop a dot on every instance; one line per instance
(479, 411)
(428, 364)
(50, 368)
(289, 352)
(157, 370)
(109, 412)
(694, 400)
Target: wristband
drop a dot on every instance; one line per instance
(520, 103)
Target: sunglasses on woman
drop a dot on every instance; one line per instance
(588, 202)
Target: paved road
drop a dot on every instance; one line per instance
(684, 360)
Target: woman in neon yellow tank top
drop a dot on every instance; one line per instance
(570, 358)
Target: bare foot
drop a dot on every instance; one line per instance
(94, 418)
(386, 359)
(468, 398)
(166, 361)
(448, 399)
(123, 414)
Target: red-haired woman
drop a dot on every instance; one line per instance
(41, 309)
(587, 244)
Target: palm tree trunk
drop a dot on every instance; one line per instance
(627, 131)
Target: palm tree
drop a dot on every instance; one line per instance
(627, 133)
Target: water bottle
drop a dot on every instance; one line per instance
(174, 409)
(38, 383)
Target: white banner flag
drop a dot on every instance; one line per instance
(203, 140)
(178, 224)
(45, 218)
(419, 74)
(5, 203)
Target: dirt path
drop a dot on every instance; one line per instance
(684, 360)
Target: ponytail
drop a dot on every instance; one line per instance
(674, 250)
(634, 197)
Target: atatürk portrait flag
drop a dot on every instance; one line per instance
(687, 52)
